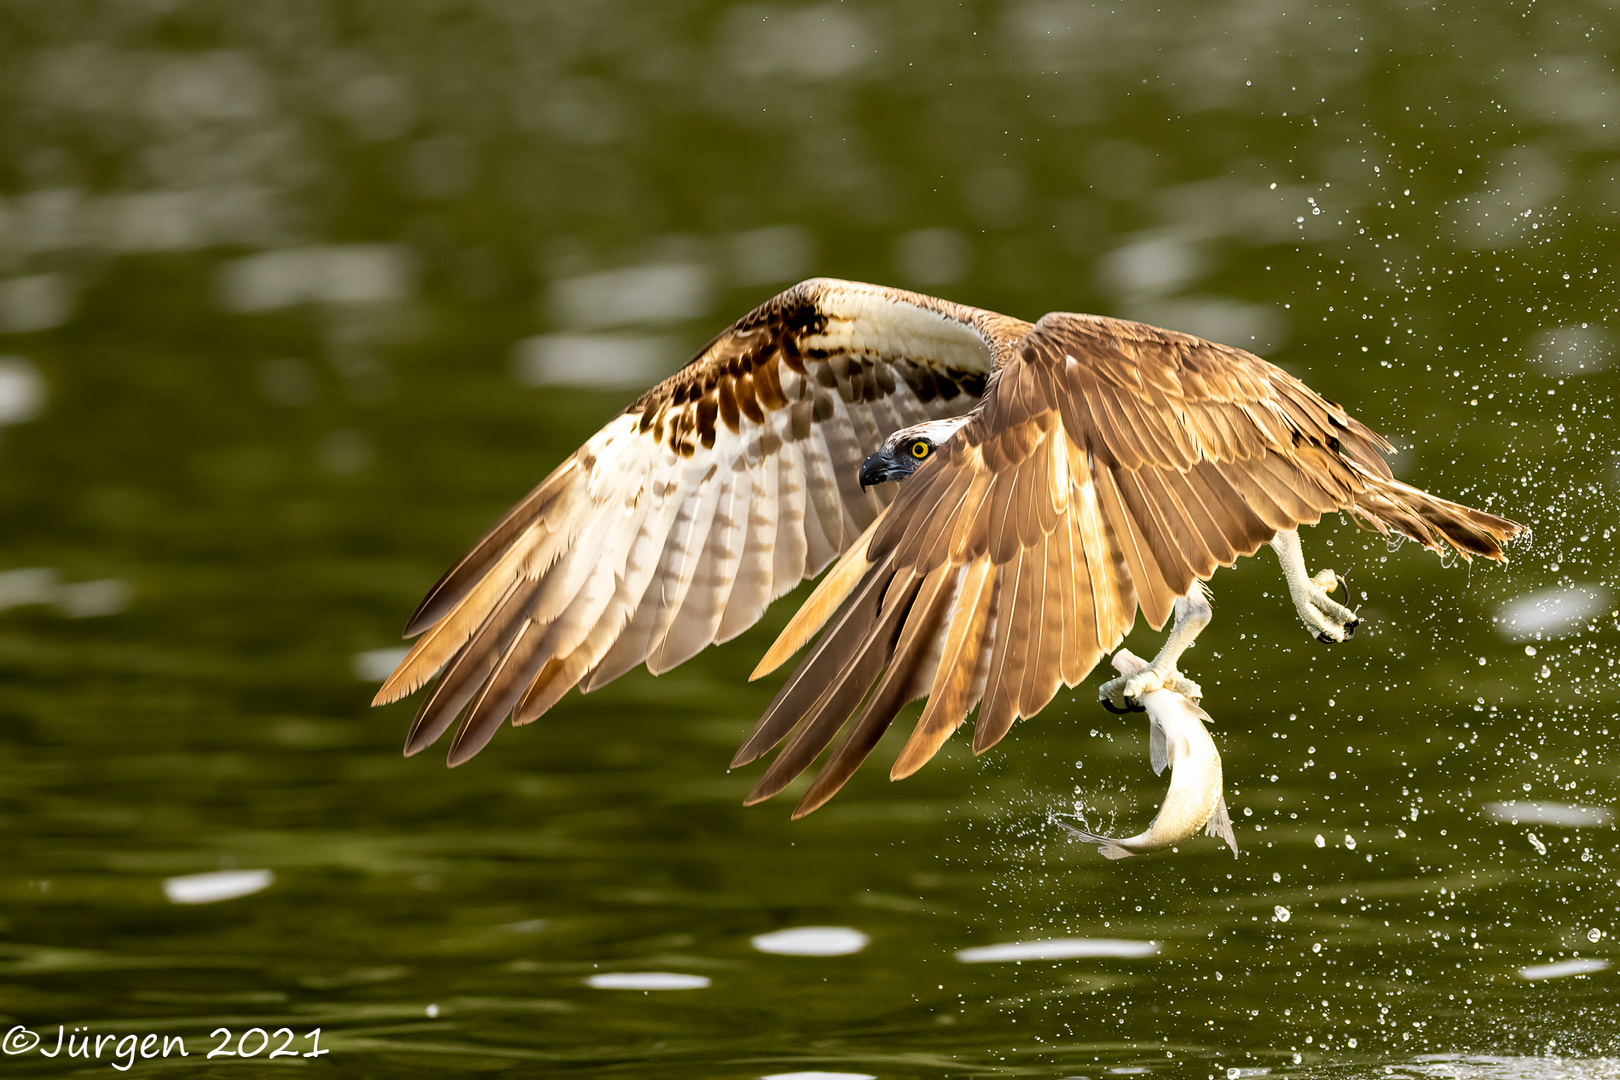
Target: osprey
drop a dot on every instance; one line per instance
(1058, 476)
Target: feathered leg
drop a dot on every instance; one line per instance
(1323, 616)
(1192, 615)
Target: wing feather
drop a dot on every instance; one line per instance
(1106, 466)
(751, 590)
(845, 688)
(715, 492)
(906, 677)
(1158, 537)
(950, 693)
(1109, 466)
(999, 709)
(638, 606)
(466, 673)
(1153, 593)
(809, 682)
(1104, 557)
(696, 623)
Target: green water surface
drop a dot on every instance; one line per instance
(226, 481)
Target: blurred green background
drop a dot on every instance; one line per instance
(296, 298)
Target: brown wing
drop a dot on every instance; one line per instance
(714, 493)
(1109, 465)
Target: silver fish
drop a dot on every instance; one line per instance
(1176, 736)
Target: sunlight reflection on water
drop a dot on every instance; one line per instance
(646, 980)
(811, 941)
(1058, 949)
(219, 885)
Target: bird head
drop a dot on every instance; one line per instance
(902, 452)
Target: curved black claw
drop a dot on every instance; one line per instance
(1323, 638)
(1130, 707)
(1350, 628)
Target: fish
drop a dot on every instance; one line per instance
(1177, 737)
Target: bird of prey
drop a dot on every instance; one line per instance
(1057, 476)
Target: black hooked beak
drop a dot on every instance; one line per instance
(883, 466)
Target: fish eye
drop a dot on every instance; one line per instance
(920, 448)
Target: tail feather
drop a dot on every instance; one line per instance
(1436, 523)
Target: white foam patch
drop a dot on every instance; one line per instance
(657, 292)
(213, 887)
(93, 599)
(22, 390)
(1058, 949)
(646, 980)
(933, 256)
(1572, 350)
(34, 303)
(811, 941)
(1551, 611)
(1549, 813)
(804, 43)
(1563, 969)
(769, 255)
(83, 600)
(327, 274)
(1491, 1067)
(28, 585)
(597, 360)
(375, 665)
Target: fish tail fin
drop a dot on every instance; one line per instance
(1220, 824)
(1110, 849)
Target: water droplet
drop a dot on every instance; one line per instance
(1320, 842)
(1281, 913)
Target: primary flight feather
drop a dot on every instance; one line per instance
(1057, 477)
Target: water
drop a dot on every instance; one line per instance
(286, 293)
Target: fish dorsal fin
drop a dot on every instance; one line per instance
(1220, 824)
(1158, 749)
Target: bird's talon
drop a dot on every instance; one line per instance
(1185, 687)
(1324, 638)
(1350, 628)
(1124, 694)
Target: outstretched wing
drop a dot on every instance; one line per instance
(1109, 465)
(673, 527)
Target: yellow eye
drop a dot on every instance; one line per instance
(919, 449)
